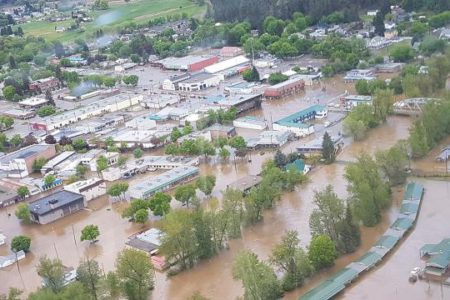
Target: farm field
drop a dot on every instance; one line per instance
(119, 14)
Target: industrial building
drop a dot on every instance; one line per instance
(42, 85)
(229, 67)
(190, 63)
(351, 101)
(359, 74)
(198, 82)
(55, 206)
(241, 87)
(231, 51)
(32, 103)
(268, 139)
(160, 101)
(250, 122)
(315, 147)
(111, 104)
(89, 189)
(286, 88)
(437, 257)
(163, 182)
(54, 162)
(295, 123)
(240, 102)
(19, 163)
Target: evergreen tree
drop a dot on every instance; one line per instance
(378, 23)
(12, 62)
(280, 159)
(328, 151)
(49, 97)
(349, 234)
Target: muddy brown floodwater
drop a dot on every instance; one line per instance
(212, 278)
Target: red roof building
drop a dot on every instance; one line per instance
(285, 88)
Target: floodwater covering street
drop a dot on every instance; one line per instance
(213, 278)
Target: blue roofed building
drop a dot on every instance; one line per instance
(296, 123)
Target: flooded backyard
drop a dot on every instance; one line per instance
(212, 278)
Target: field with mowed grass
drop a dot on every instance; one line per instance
(119, 14)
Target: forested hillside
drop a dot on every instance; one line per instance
(255, 11)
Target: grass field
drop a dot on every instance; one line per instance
(119, 13)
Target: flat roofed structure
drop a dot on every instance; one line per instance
(165, 181)
(33, 102)
(250, 122)
(285, 88)
(296, 122)
(227, 64)
(240, 102)
(190, 63)
(55, 206)
(52, 163)
(268, 139)
(245, 184)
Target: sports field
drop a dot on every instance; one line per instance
(119, 13)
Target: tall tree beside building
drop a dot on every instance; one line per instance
(90, 275)
(20, 243)
(393, 163)
(418, 140)
(52, 273)
(369, 195)
(280, 159)
(185, 194)
(349, 234)
(135, 273)
(382, 103)
(257, 277)
(49, 97)
(22, 211)
(160, 204)
(206, 184)
(251, 75)
(328, 151)
(378, 23)
(292, 260)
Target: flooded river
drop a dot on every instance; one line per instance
(213, 278)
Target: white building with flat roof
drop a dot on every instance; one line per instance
(90, 189)
(107, 105)
(33, 102)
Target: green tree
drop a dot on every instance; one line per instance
(160, 204)
(322, 252)
(224, 153)
(49, 180)
(251, 75)
(90, 275)
(368, 193)
(38, 164)
(238, 143)
(349, 234)
(328, 151)
(382, 104)
(418, 140)
(362, 87)
(81, 170)
(90, 233)
(292, 260)
(22, 191)
(118, 189)
(257, 277)
(277, 77)
(175, 134)
(137, 153)
(401, 53)
(141, 216)
(16, 140)
(122, 160)
(6, 123)
(46, 110)
(393, 163)
(13, 293)
(206, 184)
(280, 159)
(23, 213)
(179, 242)
(9, 92)
(102, 163)
(185, 194)
(20, 242)
(52, 273)
(131, 80)
(135, 273)
(79, 144)
(378, 23)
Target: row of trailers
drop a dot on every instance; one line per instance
(405, 221)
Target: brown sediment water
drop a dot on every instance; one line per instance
(212, 277)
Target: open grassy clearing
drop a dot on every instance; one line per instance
(119, 14)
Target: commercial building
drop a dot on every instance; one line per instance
(389, 67)
(8, 197)
(229, 67)
(198, 82)
(160, 101)
(42, 85)
(437, 257)
(295, 123)
(162, 182)
(241, 87)
(89, 189)
(11, 259)
(55, 206)
(107, 105)
(286, 88)
(190, 63)
(351, 101)
(309, 79)
(149, 242)
(240, 102)
(315, 147)
(359, 74)
(33, 102)
(19, 163)
(19, 114)
(171, 83)
(219, 130)
(250, 122)
(54, 162)
(141, 123)
(269, 139)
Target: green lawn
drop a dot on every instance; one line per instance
(138, 11)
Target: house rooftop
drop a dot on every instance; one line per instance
(52, 202)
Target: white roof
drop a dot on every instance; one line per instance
(33, 101)
(227, 64)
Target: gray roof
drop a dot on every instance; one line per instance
(25, 152)
(54, 201)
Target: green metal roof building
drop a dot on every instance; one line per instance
(414, 192)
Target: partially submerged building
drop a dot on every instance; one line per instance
(295, 123)
(437, 257)
(90, 189)
(268, 139)
(189, 63)
(55, 206)
(163, 182)
(245, 184)
(286, 88)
